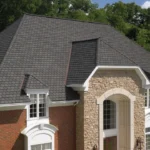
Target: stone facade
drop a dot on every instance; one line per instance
(87, 111)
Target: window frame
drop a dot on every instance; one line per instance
(41, 145)
(114, 131)
(111, 121)
(37, 92)
(147, 98)
(146, 133)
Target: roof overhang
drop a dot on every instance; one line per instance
(139, 71)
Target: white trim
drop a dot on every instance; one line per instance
(36, 130)
(110, 133)
(14, 104)
(63, 103)
(37, 91)
(115, 91)
(28, 130)
(47, 108)
(139, 71)
(100, 101)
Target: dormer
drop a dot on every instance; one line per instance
(38, 93)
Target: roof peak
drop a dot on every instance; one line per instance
(68, 19)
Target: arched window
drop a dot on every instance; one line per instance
(109, 115)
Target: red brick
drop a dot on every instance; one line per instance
(11, 124)
(64, 119)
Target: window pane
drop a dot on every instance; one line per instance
(109, 115)
(47, 146)
(147, 130)
(148, 142)
(42, 105)
(33, 106)
(36, 147)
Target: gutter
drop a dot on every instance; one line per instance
(63, 103)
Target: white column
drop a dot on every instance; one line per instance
(131, 124)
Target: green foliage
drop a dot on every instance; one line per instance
(130, 19)
(98, 15)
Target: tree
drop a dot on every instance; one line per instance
(130, 19)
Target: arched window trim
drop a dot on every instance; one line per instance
(43, 129)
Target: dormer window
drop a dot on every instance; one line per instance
(38, 106)
(147, 98)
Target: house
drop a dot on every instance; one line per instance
(72, 85)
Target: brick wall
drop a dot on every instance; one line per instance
(64, 119)
(11, 124)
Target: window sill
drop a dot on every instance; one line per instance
(42, 120)
(30, 119)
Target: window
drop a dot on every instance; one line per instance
(38, 106)
(147, 138)
(147, 98)
(47, 146)
(109, 115)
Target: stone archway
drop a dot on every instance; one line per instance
(126, 105)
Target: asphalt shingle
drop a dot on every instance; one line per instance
(42, 47)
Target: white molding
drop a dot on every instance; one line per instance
(63, 103)
(100, 101)
(115, 91)
(43, 130)
(139, 71)
(38, 119)
(14, 104)
(17, 106)
(30, 129)
(110, 133)
(37, 91)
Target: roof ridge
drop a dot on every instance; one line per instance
(69, 19)
(12, 41)
(120, 52)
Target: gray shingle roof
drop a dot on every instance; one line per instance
(83, 61)
(30, 82)
(41, 47)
